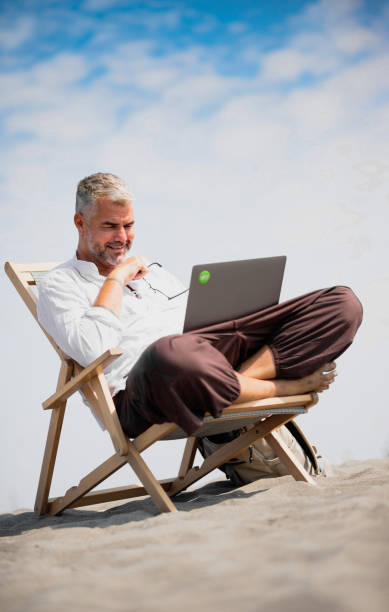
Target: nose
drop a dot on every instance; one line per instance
(121, 234)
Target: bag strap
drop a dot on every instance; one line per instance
(297, 433)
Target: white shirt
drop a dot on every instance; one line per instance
(84, 332)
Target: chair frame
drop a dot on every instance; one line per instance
(271, 413)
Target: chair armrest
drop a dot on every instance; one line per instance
(79, 380)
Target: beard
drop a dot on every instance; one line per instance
(109, 253)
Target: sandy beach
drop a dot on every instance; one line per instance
(272, 545)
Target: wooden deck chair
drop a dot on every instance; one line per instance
(261, 418)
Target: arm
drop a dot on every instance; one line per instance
(66, 311)
(111, 293)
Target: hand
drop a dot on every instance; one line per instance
(131, 269)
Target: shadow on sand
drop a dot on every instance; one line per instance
(117, 513)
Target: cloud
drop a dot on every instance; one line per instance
(322, 51)
(355, 40)
(43, 86)
(13, 34)
(237, 27)
(327, 13)
(103, 5)
(289, 64)
(206, 25)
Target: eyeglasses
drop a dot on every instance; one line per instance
(171, 297)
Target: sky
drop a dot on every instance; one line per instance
(245, 129)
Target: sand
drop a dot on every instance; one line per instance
(274, 545)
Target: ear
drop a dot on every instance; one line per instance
(80, 222)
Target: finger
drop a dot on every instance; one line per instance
(141, 273)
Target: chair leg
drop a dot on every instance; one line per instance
(288, 459)
(51, 447)
(105, 469)
(150, 483)
(188, 456)
(90, 481)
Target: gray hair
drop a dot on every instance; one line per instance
(101, 184)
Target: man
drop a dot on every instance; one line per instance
(102, 299)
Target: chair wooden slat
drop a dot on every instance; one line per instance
(35, 266)
(36, 277)
(236, 420)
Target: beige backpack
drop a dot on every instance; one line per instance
(260, 461)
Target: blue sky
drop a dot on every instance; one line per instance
(244, 129)
(32, 31)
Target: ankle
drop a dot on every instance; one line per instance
(252, 389)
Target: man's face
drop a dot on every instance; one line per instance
(106, 233)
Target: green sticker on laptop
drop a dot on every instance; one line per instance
(204, 277)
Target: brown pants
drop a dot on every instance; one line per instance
(178, 378)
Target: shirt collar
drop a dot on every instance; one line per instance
(87, 269)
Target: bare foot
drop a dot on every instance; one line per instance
(318, 381)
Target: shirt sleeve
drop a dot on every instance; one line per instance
(82, 331)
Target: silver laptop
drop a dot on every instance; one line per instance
(232, 289)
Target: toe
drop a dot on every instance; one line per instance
(328, 367)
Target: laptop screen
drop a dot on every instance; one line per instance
(232, 289)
